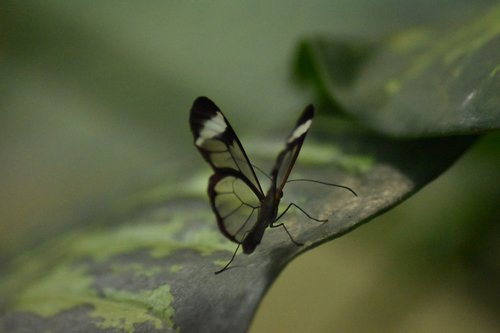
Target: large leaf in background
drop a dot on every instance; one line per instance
(153, 269)
(421, 82)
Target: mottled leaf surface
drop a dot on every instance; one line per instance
(152, 270)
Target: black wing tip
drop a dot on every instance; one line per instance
(203, 108)
(307, 114)
(309, 111)
(204, 104)
(202, 101)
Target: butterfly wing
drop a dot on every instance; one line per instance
(287, 157)
(217, 142)
(235, 202)
(234, 190)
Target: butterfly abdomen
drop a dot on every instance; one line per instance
(253, 239)
(267, 215)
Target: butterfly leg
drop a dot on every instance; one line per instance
(303, 211)
(288, 233)
(230, 261)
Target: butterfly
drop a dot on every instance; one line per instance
(242, 209)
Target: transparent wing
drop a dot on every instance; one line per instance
(235, 202)
(217, 142)
(287, 157)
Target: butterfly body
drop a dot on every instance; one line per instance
(242, 210)
(267, 215)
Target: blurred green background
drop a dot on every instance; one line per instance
(94, 104)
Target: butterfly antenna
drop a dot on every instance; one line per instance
(324, 183)
(230, 261)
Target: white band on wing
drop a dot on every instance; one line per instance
(211, 128)
(299, 131)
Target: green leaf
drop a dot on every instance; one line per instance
(153, 268)
(426, 81)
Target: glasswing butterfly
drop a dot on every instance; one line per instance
(242, 209)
